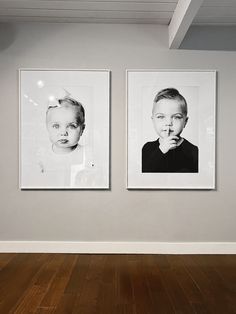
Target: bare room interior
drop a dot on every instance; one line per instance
(125, 240)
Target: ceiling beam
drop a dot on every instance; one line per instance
(181, 20)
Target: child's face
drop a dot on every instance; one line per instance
(63, 127)
(168, 118)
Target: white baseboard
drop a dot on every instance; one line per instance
(118, 247)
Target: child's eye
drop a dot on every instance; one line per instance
(160, 117)
(73, 126)
(178, 117)
(55, 126)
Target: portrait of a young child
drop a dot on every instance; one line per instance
(170, 152)
(171, 129)
(62, 114)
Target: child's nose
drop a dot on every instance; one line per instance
(64, 132)
(169, 121)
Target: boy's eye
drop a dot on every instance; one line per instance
(73, 126)
(55, 126)
(160, 117)
(178, 117)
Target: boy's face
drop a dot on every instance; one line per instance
(168, 118)
(63, 127)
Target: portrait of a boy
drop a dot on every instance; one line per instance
(170, 152)
(171, 129)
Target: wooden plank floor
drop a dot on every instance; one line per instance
(117, 284)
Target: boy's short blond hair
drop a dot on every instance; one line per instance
(172, 93)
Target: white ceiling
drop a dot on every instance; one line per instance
(214, 12)
(179, 15)
(95, 11)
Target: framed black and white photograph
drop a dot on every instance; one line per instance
(171, 129)
(64, 129)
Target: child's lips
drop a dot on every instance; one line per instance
(63, 141)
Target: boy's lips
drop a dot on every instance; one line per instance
(63, 141)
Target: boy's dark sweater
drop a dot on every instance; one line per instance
(183, 158)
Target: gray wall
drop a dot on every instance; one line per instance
(210, 38)
(116, 215)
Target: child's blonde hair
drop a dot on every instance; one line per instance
(172, 93)
(70, 101)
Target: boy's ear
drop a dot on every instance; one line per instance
(82, 129)
(186, 120)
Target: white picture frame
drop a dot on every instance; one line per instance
(87, 164)
(199, 89)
